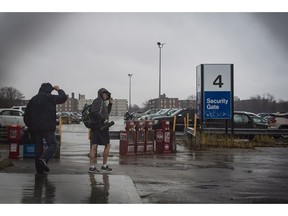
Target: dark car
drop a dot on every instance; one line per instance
(241, 120)
(259, 122)
(162, 112)
(180, 114)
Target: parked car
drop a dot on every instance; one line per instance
(264, 115)
(11, 117)
(248, 113)
(139, 115)
(22, 108)
(149, 116)
(147, 112)
(278, 121)
(180, 115)
(259, 121)
(162, 112)
(241, 120)
(69, 117)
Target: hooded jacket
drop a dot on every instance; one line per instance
(99, 111)
(40, 113)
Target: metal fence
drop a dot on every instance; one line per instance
(241, 131)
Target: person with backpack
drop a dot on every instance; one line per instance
(99, 119)
(40, 118)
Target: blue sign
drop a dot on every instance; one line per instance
(217, 105)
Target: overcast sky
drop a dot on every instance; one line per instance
(82, 52)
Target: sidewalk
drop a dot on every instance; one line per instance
(67, 188)
(67, 182)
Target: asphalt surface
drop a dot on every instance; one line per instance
(213, 176)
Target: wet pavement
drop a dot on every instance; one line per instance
(211, 176)
(67, 188)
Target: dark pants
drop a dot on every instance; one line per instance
(50, 139)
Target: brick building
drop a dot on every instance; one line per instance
(165, 102)
(71, 105)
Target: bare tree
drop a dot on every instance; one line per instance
(145, 105)
(10, 96)
(191, 97)
(135, 108)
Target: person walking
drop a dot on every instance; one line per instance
(99, 117)
(40, 118)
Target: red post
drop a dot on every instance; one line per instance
(127, 140)
(149, 138)
(164, 138)
(140, 138)
(14, 136)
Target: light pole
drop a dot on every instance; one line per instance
(160, 45)
(130, 76)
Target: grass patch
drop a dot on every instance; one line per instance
(221, 141)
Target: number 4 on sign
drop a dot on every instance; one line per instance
(218, 81)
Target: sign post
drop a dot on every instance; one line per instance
(215, 92)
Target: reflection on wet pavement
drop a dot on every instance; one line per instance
(67, 188)
(99, 189)
(43, 191)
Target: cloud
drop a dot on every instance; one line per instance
(83, 52)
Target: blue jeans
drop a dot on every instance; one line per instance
(50, 139)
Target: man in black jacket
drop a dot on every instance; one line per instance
(99, 117)
(40, 118)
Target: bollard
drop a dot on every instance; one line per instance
(140, 138)
(14, 136)
(127, 140)
(149, 138)
(164, 138)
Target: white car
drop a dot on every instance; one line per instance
(22, 108)
(11, 117)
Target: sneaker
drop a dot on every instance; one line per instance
(106, 169)
(93, 170)
(44, 165)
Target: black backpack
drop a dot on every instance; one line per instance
(86, 115)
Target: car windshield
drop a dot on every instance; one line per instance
(171, 112)
(258, 120)
(163, 111)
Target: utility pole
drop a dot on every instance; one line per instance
(130, 76)
(160, 45)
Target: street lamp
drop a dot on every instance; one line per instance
(130, 75)
(160, 45)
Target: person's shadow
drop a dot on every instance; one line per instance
(99, 190)
(42, 192)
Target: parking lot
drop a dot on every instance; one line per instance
(207, 176)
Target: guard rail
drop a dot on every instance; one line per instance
(238, 131)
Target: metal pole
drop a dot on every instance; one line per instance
(160, 45)
(159, 71)
(130, 75)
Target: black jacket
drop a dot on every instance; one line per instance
(99, 110)
(40, 113)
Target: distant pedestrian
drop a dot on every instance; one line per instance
(100, 117)
(40, 118)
